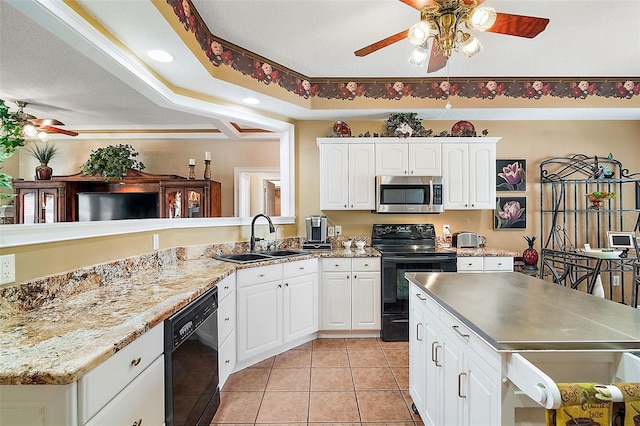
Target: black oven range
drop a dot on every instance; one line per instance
(405, 248)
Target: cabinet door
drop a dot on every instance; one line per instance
(336, 301)
(334, 176)
(417, 353)
(482, 175)
(455, 159)
(425, 159)
(39, 205)
(300, 306)
(482, 402)
(392, 159)
(453, 392)
(28, 206)
(365, 301)
(259, 321)
(197, 204)
(362, 177)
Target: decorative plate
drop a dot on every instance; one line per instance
(341, 129)
(463, 128)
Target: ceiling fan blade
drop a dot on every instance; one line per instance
(518, 25)
(51, 129)
(418, 4)
(382, 43)
(46, 122)
(437, 60)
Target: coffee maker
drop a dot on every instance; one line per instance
(316, 233)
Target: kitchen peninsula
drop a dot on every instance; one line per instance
(481, 344)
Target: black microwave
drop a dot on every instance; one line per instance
(409, 194)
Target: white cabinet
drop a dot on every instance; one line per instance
(350, 294)
(408, 159)
(449, 380)
(226, 327)
(275, 305)
(347, 176)
(474, 264)
(469, 170)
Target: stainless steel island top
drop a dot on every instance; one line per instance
(516, 312)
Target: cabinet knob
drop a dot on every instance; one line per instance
(279, 285)
(261, 275)
(355, 277)
(301, 268)
(345, 206)
(227, 319)
(137, 422)
(226, 287)
(286, 284)
(135, 362)
(227, 361)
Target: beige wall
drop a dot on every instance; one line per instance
(534, 141)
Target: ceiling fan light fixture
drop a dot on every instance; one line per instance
(419, 33)
(482, 18)
(43, 136)
(470, 45)
(419, 55)
(29, 130)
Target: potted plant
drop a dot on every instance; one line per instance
(112, 162)
(597, 197)
(10, 140)
(43, 154)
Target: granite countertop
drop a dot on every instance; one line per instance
(485, 252)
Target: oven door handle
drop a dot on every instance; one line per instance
(419, 259)
(430, 194)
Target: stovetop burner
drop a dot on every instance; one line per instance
(414, 239)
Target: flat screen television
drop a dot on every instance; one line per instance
(117, 205)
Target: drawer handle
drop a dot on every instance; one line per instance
(301, 268)
(457, 330)
(419, 296)
(226, 319)
(226, 287)
(499, 263)
(336, 265)
(261, 275)
(286, 284)
(227, 361)
(366, 264)
(418, 338)
(137, 422)
(460, 385)
(279, 285)
(135, 362)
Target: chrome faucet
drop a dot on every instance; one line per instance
(252, 242)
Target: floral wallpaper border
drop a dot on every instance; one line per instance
(223, 53)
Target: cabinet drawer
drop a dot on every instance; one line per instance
(226, 286)
(141, 402)
(467, 339)
(364, 264)
(336, 264)
(498, 264)
(298, 268)
(421, 297)
(258, 275)
(101, 384)
(226, 317)
(466, 264)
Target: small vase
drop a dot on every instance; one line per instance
(530, 256)
(43, 172)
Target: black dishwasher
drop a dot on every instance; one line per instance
(192, 396)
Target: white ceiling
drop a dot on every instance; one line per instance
(69, 71)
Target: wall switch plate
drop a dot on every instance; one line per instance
(446, 229)
(616, 280)
(338, 230)
(156, 241)
(7, 268)
(330, 231)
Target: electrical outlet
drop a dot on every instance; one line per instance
(330, 231)
(7, 268)
(446, 229)
(156, 241)
(338, 230)
(616, 280)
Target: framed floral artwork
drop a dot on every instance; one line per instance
(511, 175)
(510, 213)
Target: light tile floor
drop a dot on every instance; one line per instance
(340, 382)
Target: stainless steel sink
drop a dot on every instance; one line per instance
(260, 257)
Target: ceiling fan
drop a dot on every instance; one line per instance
(438, 32)
(32, 126)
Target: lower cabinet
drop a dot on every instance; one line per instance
(226, 327)
(276, 304)
(471, 264)
(128, 388)
(350, 294)
(449, 381)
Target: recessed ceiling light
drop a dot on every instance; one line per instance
(160, 55)
(251, 101)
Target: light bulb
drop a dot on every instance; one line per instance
(448, 105)
(418, 56)
(43, 136)
(419, 33)
(29, 130)
(482, 18)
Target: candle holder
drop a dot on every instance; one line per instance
(207, 169)
(192, 171)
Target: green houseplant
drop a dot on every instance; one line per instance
(43, 154)
(112, 162)
(10, 140)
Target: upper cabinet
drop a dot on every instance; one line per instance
(39, 202)
(347, 176)
(348, 167)
(408, 159)
(469, 171)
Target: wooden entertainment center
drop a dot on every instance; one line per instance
(56, 200)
